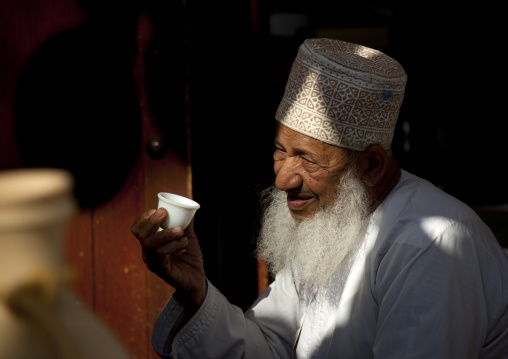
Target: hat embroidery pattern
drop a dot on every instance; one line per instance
(343, 94)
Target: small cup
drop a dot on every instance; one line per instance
(180, 210)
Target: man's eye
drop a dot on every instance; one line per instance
(279, 154)
(310, 166)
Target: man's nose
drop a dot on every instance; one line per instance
(288, 175)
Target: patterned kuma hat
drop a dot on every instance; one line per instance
(343, 94)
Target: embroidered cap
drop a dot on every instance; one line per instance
(343, 94)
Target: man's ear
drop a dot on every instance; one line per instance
(372, 165)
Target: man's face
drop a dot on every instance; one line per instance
(308, 170)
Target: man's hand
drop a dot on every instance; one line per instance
(174, 255)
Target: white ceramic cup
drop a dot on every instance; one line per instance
(180, 210)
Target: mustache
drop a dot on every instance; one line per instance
(300, 192)
(268, 195)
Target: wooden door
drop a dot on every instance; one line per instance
(69, 71)
(124, 94)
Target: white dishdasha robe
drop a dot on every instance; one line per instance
(430, 281)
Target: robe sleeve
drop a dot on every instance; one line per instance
(431, 290)
(221, 330)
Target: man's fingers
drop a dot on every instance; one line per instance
(148, 223)
(173, 246)
(155, 257)
(162, 237)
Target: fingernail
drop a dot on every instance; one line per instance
(177, 230)
(160, 212)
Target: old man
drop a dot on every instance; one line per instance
(369, 260)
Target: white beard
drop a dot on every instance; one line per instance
(313, 249)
